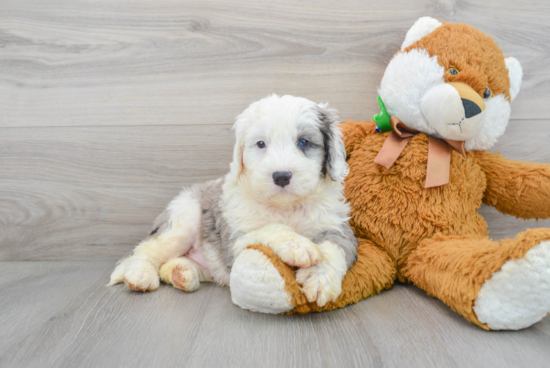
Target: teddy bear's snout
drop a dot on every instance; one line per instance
(471, 101)
(454, 110)
(470, 108)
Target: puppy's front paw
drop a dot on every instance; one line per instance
(299, 252)
(141, 276)
(321, 283)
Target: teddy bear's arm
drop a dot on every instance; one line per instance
(517, 188)
(353, 133)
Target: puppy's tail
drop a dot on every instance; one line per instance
(118, 274)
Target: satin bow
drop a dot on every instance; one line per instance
(439, 152)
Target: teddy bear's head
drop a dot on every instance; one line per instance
(451, 81)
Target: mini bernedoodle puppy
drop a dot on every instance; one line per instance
(284, 190)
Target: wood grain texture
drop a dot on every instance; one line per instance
(81, 193)
(139, 62)
(108, 108)
(77, 321)
(77, 193)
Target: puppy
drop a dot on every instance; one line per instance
(284, 190)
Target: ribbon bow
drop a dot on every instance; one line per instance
(439, 150)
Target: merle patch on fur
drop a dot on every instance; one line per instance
(327, 141)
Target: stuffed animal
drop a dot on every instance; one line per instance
(418, 175)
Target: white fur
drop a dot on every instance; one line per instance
(282, 219)
(142, 267)
(267, 296)
(189, 274)
(408, 77)
(442, 108)
(497, 114)
(311, 203)
(515, 73)
(323, 283)
(323, 209)
(257, 210)
(414, 90)
(422, 27)
(518, 295)
(292, 248)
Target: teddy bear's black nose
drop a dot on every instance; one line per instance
(282, 178)
(470, 108)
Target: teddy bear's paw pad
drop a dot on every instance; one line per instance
(518, 295)
(300, 252)
(257, 285)
(141, 276)
(321, 283)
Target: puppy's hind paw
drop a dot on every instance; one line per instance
(141, 276)
(181, 273)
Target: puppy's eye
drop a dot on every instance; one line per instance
(487, 93)
(260, 144)
(303, 143)
(453, 71)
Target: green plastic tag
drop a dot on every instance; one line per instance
(382, 119)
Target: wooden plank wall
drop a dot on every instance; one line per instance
(108, 108)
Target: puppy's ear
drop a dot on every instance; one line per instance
(335, 151)
(236, 167)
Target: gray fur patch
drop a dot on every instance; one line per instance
(334, 147)
(218, 239)
(161, 224)
(215, 229)
(345, 239)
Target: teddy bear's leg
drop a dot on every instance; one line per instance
(257, 284)
(183, 274)
(495, 285)
(261, 281)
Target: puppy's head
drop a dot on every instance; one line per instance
(287, 147)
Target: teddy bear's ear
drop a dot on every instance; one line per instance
(515, 72)
(422, 27)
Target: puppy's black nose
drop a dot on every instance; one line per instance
(282, 178)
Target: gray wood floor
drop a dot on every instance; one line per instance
(108, 108)
(60, 314)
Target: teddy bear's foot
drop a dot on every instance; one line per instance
(257, 285)
(518, 295)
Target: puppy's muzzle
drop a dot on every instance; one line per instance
(282, 178)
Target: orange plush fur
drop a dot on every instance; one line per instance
(434, 238)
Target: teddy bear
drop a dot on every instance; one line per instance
(419, 172)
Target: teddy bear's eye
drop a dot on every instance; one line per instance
(453, 71)
(487, 93)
